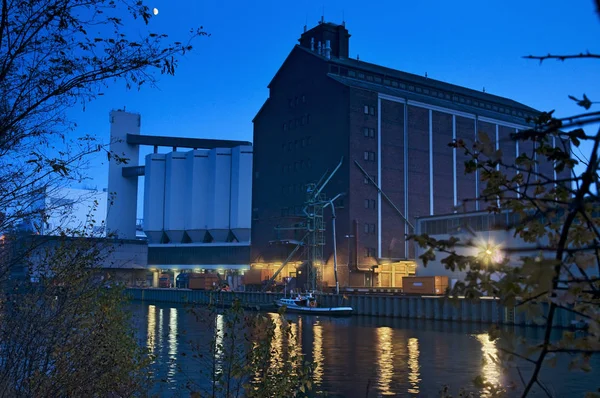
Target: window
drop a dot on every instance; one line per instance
(370, 78)
(285, 127)
(351, 73)
(372, 228)
(372, 110)
(307, 119)
(366, 109)
(303, 120)
(366, 228)
(377, 79)
(370, 252)
(256, 174)
(366, 203)
(361, 75)
(368, 132)
(394, 83)
(371, 133)
(303, 99)
(370, 156)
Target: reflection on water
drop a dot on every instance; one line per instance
(359, 351)
(385, 360)
(413, 365)
(318, 353)
(277, 343)
(172, 341)
(151, 339)
(491, 368)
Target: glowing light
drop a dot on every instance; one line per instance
(491, 368)
(489, 252)
(413, 365)
(155, 11)
(385, 360)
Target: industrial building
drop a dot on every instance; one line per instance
(392, 130)
(197, 198)
(67, 210)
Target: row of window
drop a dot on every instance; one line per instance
(483, 222)
(297, 210)
(294, 102)
(369, 110)
(370, 156)
(369, 132)
(294, 188)
(296, 166)
(387, 81)
(370, 204)
(297, 122)
(369, 228)
(296, 144)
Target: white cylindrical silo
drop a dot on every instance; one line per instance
(219, 187)
(196, 196)
(154, 196)
(175, 187)
(241, 193)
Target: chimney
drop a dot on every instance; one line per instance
(328, 49)
(337, 35)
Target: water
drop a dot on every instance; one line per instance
(386, 357)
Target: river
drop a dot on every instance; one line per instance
(362, 356)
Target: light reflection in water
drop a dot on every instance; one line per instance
(172, 341)
(491, 369)
(277, 344)
(151, 342)
(219, 335)
(413, 365)
(160, 328)
(385, 361)
(318, 352)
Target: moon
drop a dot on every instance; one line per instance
(155, 11)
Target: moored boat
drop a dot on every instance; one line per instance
(307, 304)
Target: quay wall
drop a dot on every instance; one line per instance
(486, 311)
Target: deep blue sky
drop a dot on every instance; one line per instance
(220, 86)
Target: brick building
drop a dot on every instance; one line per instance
(322, 106)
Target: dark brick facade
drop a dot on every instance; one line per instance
(394, 124)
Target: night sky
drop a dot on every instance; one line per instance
(222, 83)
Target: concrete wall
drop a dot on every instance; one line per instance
(122, 210)
(434, 308)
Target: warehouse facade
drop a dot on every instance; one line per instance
(396, 126)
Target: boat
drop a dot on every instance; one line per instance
(306, 303)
